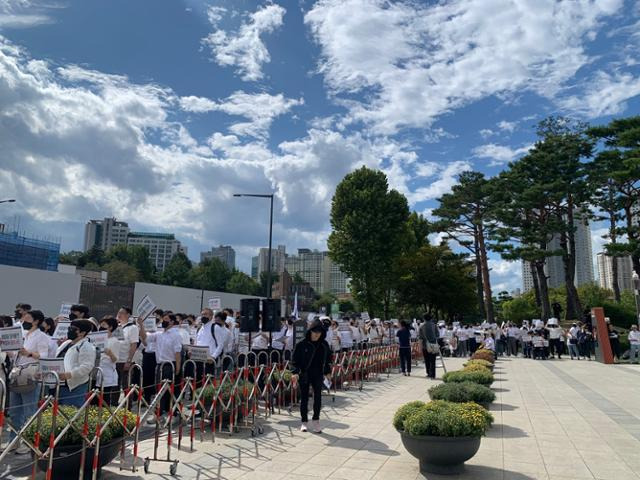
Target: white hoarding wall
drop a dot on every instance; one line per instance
(184, 300)
(42, 289)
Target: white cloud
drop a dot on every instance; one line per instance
(23, 13)
(486, 133)
(446, 176)
(499, 154)
(244, 49)
(507, 126)
(416, 62)
(605, 94)
(260, 108)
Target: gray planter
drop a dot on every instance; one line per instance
(441, 455)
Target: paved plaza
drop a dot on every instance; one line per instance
(557, 420)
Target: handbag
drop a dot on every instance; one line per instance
(432, 347)
(22, 378)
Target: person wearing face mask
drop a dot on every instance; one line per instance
(78, 312)
(212, 336)
(35, 346)
(79, 359)
(129, 352)
(21, 309)
(108, 359)
(49, 327)
(311, 363)
(168, 350)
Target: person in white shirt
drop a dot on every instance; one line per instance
(572, 342)
(555, 342)
(79, 360)
(355, 333)
(346, 336)
(108, 359)
(168, 349)
(512, 340)
(634, 343)
(49, 327)
(489, 342)
(461, 333)
(128, 347)
(212, 334)
(35, 346)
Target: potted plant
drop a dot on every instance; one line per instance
(474, 367)
(442, 435)
(483, 363)
(463, 392)
(226, 392)
(484, 377)
(67, 453)
(484, 354)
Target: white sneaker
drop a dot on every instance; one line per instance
(303, 427)
(315, 425)
(22, 450)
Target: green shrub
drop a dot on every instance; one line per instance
(286, 375)
(462, 392)
(476, 368)
(72, 437)
(405, 411)
(225, 390)
(484, 363)
(482, 377)
(447, 419)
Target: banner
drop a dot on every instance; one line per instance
(99, 339)
(199, 353)
(51, 365)
(145, 307)
(215, 303)
(60, 332)
(65, 309)
(11, 339)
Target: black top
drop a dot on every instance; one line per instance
(404, 338)
(312, 358)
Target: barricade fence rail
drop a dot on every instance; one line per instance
(199, 401)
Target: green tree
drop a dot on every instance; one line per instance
(120, 273)
(135, 255)
(464, 217)
(94, 255)
(210, 274)
(325, 300)
(264, 276)
(347, 306)
(240, 282)
(369, 231)
(177, 272)
(70, 258)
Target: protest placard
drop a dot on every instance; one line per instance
(150, 324)
(365, 316)
(60, 332)
(11, 339)
(215, 303)
(199, 353)
(51, 365)
(99, 339)
(145, 307)
(65, 310)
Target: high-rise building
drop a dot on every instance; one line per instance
(224, 253)
(605, 271)
(105, 233)
(21, 251)
(277, 260)
(318, 270)
(254, 268)
(554, 267)
(162, 246)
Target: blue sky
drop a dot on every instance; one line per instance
(157, 112)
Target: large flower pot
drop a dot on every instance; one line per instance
(441, 455)
(66, 459)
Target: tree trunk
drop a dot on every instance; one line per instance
(488, 296)
(577, 305)
(568, 247)
(536, 284)
(613, 237)
(478, 262)
(544, 290)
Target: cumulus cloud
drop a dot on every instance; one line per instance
(244, 49)
(416, 61)
(499, 154)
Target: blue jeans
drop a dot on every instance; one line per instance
(633, 352)
(73, 397)
(23, 406)
(573, 350)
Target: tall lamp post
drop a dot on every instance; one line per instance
(270, 197)
(10, 200)
(636, 291)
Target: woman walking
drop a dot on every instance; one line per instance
(311, 365)
(404, 347)
(428, 335)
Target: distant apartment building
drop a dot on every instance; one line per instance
(254, 268)
(277, 260)
(225, 253)
(162, 246)
(22, 251)
(317, 269)
(605, 271)
(105, 233)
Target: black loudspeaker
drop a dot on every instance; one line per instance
(249, 312)
(271, 315)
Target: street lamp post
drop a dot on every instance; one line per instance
(270, 197)
(636, 291)
(10, 200)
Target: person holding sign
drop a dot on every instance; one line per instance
(36, 345)
(108, 359)
(168, 349)
(79, 359)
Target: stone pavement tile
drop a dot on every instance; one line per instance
(534, 470)
(321, 471)
(262, 475)
(569, 469)
(611, 471)
(328, 460)
(282, 466)
(343, 473)
(364, 463)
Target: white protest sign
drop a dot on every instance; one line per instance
(60, 332)
(215, 303)
(51, 365)
(11, 339)
(145, 307)
(198, 353)
(119, 334)
(193, 333)
(150, 324)
(99, 339)
(365, 316)
(65, 309)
